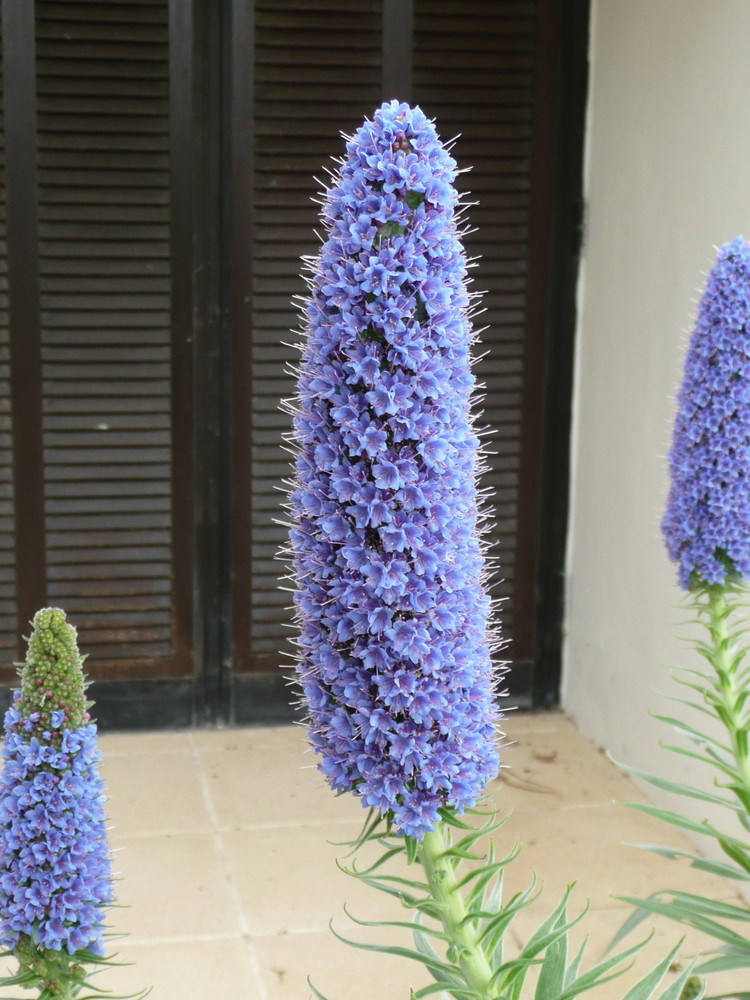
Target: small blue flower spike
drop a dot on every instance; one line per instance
(54, 858)
(394, 645)
(707, 521)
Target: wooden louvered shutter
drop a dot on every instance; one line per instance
(478, 69)
(7, 549)
(474, 72)
(105, 287)
(317, 71)
(115, 530)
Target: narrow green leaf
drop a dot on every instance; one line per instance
(431, 990)
(315, 990)
(572, 970)
(18, 980)
(710, 760)
(459, 854)
(411, 850)
(696, 861)
(494, 930)
(424, 947)
(724, 963)
(352, 869)
(603, 972)
(712, 907)
(493, 900)
(734, 850)
(675, 819)
(484, 874)
(372, 821)
(647, 986)
(382, 882)
(685, 915)
(683, 727)
(495, 924)
(407, 924)
(678, 788)
(551, 982)
(541, 938)
(390, 949)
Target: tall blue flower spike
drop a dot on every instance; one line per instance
(395, 625)
(707, 521)
(706, 529)
(55, 879)
(394, 645)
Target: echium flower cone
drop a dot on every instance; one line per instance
(707, 521)
(394, 645)
(706, 529)
(54, 859)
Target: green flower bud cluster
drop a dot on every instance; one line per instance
(56, 973)
(52, 679)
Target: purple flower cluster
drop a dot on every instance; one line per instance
(394, 652)
(707, 521)
(54, 860)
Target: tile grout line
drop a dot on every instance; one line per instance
(221, 849)
(282, 824)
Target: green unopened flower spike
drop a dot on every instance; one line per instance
(52, 679)
(55, 878)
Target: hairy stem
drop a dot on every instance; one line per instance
(465, 949)
(730, 699)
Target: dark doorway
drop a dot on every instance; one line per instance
(158, 175)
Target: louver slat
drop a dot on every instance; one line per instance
(103, 143)
(474, 74)
(316, 72)
(7, 552)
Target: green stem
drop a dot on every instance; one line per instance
(724, 653)
(440, 869)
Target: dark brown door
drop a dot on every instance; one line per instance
(157, 179)
(97, 452)
(484, 70)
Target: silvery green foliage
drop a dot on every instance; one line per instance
(450, 888)
(721, 695)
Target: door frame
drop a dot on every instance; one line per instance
(560, 103)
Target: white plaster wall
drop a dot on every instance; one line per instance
(667, 180)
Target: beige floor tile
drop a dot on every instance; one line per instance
(249, 737)
(174, 886)
(337, 970)
(153, 793)
(288, 881)
(587, 846)
(198, 969)
(555, 768)
(190, 970)
(242, 911)
(267, 785)
(515, 724)
(144, 743)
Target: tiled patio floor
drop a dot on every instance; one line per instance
(224, 840)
